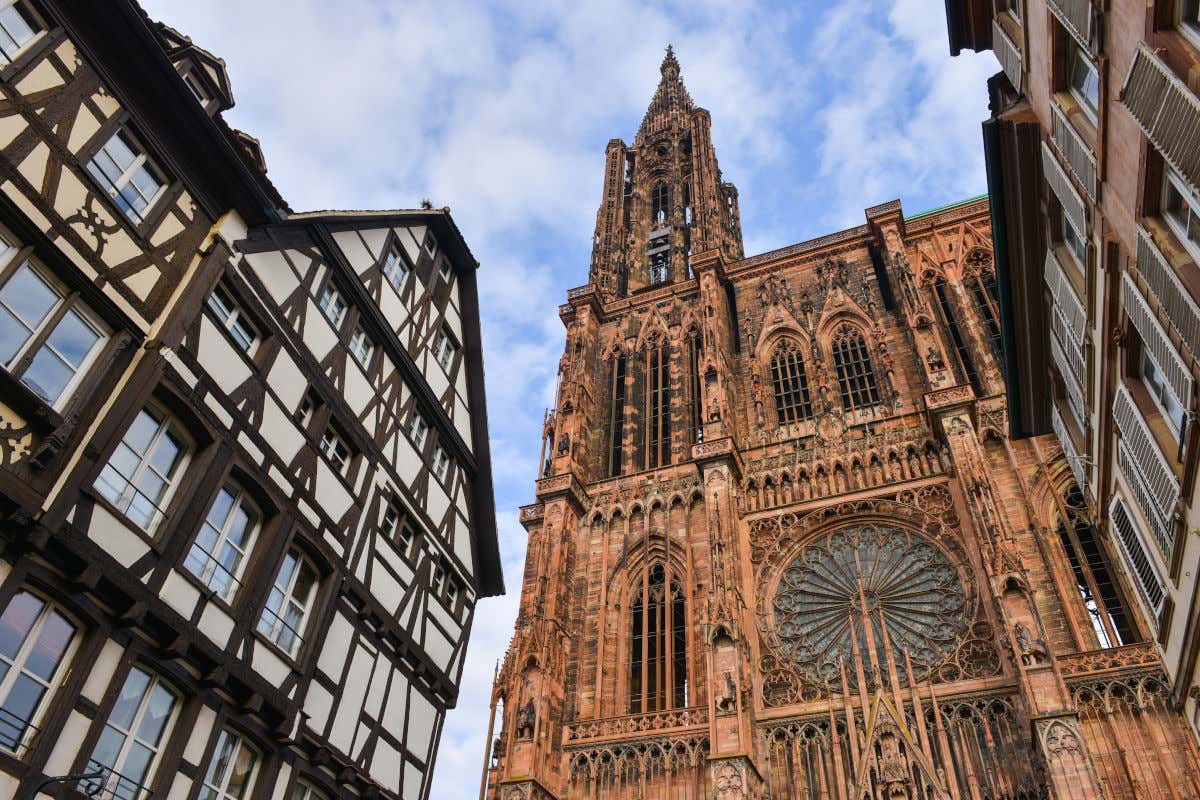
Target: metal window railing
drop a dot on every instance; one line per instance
(275, 633)
(112, 785)
(226, 585)
(16, 733)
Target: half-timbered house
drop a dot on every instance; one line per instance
(245, 491)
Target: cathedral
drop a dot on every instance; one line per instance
(783, 545)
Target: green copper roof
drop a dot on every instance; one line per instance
(948, 205)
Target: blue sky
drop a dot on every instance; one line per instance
(502, 111)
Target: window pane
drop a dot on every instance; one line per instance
(130, 698)
(28, 296)
(221, 508)
(239, 780)
(157, 713)
(13, 335)
(16, 622)
(50, 646)
(17, 28)
(48, 375)
(108, 748)
(24, 697)
(141, 432)
(120, 151)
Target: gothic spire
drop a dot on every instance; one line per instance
(670, 97)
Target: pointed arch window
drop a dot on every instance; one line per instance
(660, 203)
(856, 375)
(616, 417)
(790, 382)
(987, 304)
(950, 321)
(695, 420)
(658, 644)
(658, 406)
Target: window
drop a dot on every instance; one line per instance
(18, 27)
(856, 376)
(398, 526)
(132, 739)
(1181, 210)
(335, 450)
(659, 252)
(47, 336)
(616, 418)
(308, 408)
(441, 463)
(444, 348)
(437, 578)
(660, 203)
(431, 245)
(950, 321)
(1164, 396)
(1090, 565)
(658, 644)
(303, 791)
(144, 469)
(233, 319)
(231, 771)
(987, 304)
(1013, 7)
(35, 639)
(792, 402)
(128, 175)
(444, 271)
(1189, 18)
(695, 413)
(290, 602)
(658, 407)
(361, 346)
(1075, 244)
(198, 91)
(1084, 81)
(218, 556)
(395, 269)
(333, 306)
(418, 429)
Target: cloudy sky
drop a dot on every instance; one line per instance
(502, 111)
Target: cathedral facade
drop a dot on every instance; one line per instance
(783, 545)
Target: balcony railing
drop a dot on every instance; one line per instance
(1074, 150)
(1079, 18)
(1156, 341)
(1060, 184)
(1170, 292)
(1166, 109)
(1008, 54)
(16, 732)
(656, 721)
(1074, 461)
(112, 785)
(1162, 530)
(1140, 562)
(1145, 456)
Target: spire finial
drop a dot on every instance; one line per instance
(670, 66)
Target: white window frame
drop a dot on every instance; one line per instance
(395, 268)
(361, 346)
(1079, 259)
(303, 790)
(40, 333)
(445, 271)
(18, 666)
(115, 783)
(225, 306)
(431, 244)
(1157, 385)
(333, 306)
(1078, 56)
(38, 28)
(1188, 20)
(113, 188)
(274, 620)
(1173, 182)
(444, 348)
(397, 525)
(216, 787)
(441, 463)
(418, 430)
(331, 442)
(165, 424)
(212, 558)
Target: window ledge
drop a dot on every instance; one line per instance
(147, 537)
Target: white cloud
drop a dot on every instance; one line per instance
(502, 111)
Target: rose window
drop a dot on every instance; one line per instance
(868, 595)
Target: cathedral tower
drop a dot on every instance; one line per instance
(782, 546)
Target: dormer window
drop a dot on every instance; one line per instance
(18, 27)
(197, 88)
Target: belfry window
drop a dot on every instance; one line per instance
(658, 407)
(658, 644)
(987, 303)
(695, 413)
(856, 376)
(788, 378)
(616, 417)
(660, 203)
(658, 250)
(1098, 589)
(950, 320)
